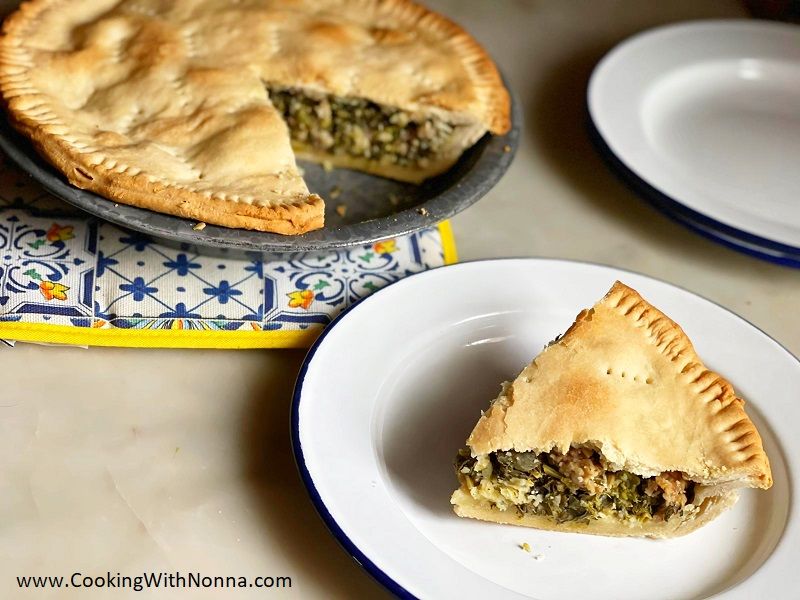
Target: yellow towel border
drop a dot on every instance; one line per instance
(185, 338)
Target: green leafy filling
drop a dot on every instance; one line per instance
(360, 128)
(621, 493)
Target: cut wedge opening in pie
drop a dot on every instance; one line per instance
(362, 134)
(198, 108)
(616, 428)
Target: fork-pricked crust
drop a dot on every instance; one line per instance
(626, 379)
(163, 105)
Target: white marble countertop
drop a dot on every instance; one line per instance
(130, 460)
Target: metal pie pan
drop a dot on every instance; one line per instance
(360, 208)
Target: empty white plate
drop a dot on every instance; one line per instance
(390, 392)
(708, 113)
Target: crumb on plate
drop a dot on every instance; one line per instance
(525, 546)
(341, 210)
(199, 226)
(423, 211)
(336, 191)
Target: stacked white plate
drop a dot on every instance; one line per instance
(703, 119)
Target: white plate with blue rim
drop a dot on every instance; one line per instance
(702, 118)
(393, 387)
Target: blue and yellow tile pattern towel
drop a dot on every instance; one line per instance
(67, 278)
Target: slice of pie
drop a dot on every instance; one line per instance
(616, 428)
(197, 107)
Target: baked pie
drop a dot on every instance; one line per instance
(198, 108)
(616, 428)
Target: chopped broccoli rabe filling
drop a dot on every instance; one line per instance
(576, 486)
(360, 128)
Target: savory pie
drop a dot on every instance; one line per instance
(616, 428)
(197, 107)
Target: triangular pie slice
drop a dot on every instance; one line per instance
(616, 428)
(182, 107)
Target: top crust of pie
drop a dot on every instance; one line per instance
(163, 104)
(626, 379)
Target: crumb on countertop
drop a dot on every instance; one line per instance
(341, 210)
(199, 226)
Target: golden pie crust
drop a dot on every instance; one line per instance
(626, 380)
(163, 105)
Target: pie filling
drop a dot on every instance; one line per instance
(576, 486)
(360, 128)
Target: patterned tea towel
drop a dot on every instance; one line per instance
(67, 278)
